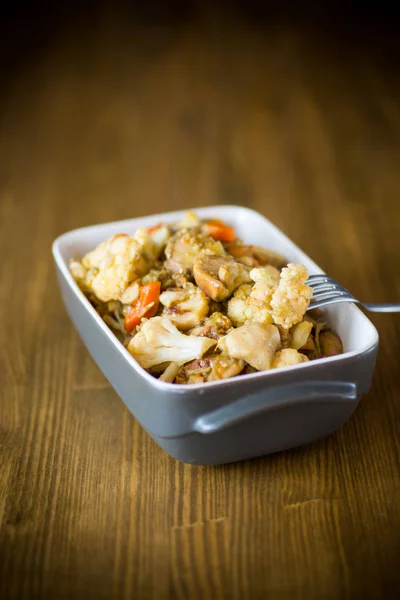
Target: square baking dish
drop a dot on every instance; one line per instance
(232, 419)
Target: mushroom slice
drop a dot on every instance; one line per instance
(330, 343)
(219, 276)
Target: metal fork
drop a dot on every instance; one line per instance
(327, 291)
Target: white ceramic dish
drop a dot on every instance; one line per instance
(238, 418)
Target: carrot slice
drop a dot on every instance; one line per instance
(146, 305)
(220, 231)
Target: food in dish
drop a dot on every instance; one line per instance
(193, 303)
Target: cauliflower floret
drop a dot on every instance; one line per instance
(273, 271)
(238, 310)
(256, 343)
(82, 276)
(115, 263)
(287, 358)
(292, 298)
(158, 341)
(153, 243)
(215, 326)
(269, 301)
(253, 303)
(131, 294)
(185, 308)
(78, 271)
(160, 236)
(264, 286)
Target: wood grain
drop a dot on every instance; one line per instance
(110, 112)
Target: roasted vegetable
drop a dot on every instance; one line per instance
(113, 265)
(158, 341)
(161, 274)
(190, 220)
(253, 303)
(145, 306)
(109, 269)
(292, 297)
(152, 241)
(186, 307)
(330, 344)
(299, 334)
(193, 303)
(219, 276)
(210, 368)
(288, 358)
(256, 343)
(170, 372)
(219, 230)
(185, 245)
(215, 326)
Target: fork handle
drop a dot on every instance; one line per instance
(381, 307)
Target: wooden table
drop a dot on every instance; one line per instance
(117, 114)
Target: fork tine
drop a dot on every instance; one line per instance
(318, 287)
(327, 291)
(326, 301)
(320, 277)
(321, 283)
(323, 288)
(330, 294)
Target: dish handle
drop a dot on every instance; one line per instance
(258, 402)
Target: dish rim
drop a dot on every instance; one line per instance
(163, 386)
